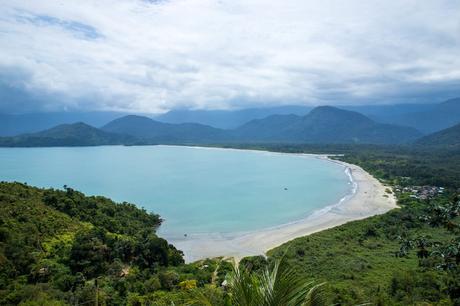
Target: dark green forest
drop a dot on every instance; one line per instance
(60, 247)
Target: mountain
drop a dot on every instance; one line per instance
(16, 124)
(427, 118)
(440, 116)
(386, 113)
(229, 119)
(447, 137)
(150, 130)
(325, 124)
(77, 134)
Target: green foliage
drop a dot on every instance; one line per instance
(121, 218)
(56, 245)
(278, 285)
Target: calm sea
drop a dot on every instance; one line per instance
(196, 190)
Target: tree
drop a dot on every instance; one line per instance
(276, 286)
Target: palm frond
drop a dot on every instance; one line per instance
(275, 287)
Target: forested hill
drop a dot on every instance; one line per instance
(449, 137)
(151, 131)
(324, 124)
(54, 244)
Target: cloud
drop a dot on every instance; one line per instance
(80, 30)
(152, 56)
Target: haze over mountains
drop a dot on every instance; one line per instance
(449, 137)
(426, 118)
(149, 130)
(321, 125)
(15, 124)
(325, 124)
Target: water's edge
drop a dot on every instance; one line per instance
(309, 216)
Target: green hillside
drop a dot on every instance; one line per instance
(59, 247)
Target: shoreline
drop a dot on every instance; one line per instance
(368, 198)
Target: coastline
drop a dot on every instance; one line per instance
(368, 198)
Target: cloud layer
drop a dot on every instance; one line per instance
(152, 56)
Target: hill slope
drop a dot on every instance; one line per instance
(325, 124)
(441, 116)
(447, 137)
(55, 243)
(229, 119)
(77, 134)
(150, 130)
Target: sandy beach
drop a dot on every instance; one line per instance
(369, 198)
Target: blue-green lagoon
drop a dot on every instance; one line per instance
(195, 190)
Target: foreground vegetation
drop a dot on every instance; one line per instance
(60, 247)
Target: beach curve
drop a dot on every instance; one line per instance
(369, 198)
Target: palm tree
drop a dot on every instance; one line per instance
(279, 286)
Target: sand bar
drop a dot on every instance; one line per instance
(369, 199)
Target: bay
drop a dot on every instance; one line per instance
(195, 190)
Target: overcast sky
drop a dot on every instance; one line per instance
(152, 56)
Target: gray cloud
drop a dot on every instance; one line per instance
(151, 56)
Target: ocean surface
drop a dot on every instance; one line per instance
(195, 190)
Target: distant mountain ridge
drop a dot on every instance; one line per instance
(76, 134)
(16, 124)
(439, 117)
(229, 119)
(449, 137)
(427, 118)
(149, 130)
(325, 124)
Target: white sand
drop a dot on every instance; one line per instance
(368, 200)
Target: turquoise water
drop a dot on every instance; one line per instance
(196, 190)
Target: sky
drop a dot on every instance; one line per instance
(154, 56)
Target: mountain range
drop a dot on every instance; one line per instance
(322, 125)
(427, 118)
(16, 124)
(435, 118)
(149, 130)
(449, 137)
(77, 134)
